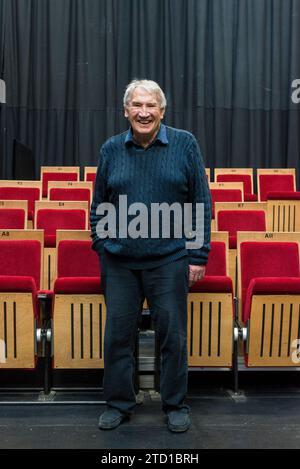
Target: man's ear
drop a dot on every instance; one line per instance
(125, 112)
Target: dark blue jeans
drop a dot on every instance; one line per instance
(166, 289)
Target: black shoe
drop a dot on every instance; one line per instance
(178, 420)
(110, 419)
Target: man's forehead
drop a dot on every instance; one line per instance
(140, 93)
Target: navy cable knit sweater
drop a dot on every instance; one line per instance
(169, 170)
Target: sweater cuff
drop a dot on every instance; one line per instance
(196, 261)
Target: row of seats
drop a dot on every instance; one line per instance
(267, 315)
(274, 183)
(78, 273)
(271, 215)
(229, 188)
(31, 191)
(232, 217)
(64, 173)
(49, 217)
(268, 180)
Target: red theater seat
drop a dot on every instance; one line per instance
(12, 218)
(225, 195)
(21, 258)
(70, 194)
(91, 177)
(90, 174)
(275, 183)
(31, 194)
(273, 263)
(283, 195)
(20, 267)
(79, 308)
(269, 295)
(240, 220)
(245, 179)
(56, 176)
(216, 279)
(51, 220)
(75, 258)
(211, 313)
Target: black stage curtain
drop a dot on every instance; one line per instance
(2, 107)
(226, 66)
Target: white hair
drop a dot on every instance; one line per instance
(148, 85)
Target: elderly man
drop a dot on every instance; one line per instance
(148, 165)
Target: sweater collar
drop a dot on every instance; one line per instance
(161, 137)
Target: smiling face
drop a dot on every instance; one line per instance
(144, 114)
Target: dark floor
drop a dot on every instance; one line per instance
(265, 414)
(266, 419)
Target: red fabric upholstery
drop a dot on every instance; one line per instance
(21, 258)
(70, 194)
(269, 286)
(216, 264)
(20, 263)
(91, 177)
(267, 259)
(286, 195)
(77, 259)
(250, 198)
(61, 176)
(214, 284)
(215, 280)
(240, 220)
(232, 241)
(225, 195)
(13, 283)
(50, 241)
(51, 220)
(244, 178)
(31, 194)
(12, 218)
(79, 285)
(78, 269)
(275, 182)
